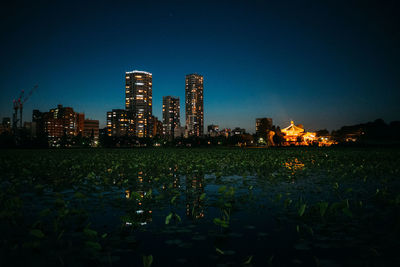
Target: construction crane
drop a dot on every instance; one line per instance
(19, 105)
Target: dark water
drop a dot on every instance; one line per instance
(123, 220)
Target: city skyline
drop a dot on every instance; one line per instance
(259, 59)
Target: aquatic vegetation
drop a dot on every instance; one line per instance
(147, 261)
(225, 201)
(254, 207)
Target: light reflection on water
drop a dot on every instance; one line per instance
(188, 189)
(194, 202)
(140, 213)
(147, 201)
(294, 165)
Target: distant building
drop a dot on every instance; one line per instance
(53, 127)
(138, 101)
(156, 126)
(6, 122)
(225, 132)
(103, 132)
(179, 132)
(61, 122)
(80, 122)
(67, 118)
(118, 123)
(213, 130)
(91, 129)
(56, 123)
(30, 127)
(5, 125)
(263, 126)
(171, 115)
(238, 131)
(194, 108)
(37, 118)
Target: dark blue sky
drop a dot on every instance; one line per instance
(320, 64)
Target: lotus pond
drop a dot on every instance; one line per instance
(200, 207)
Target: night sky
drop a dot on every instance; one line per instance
(323, 64)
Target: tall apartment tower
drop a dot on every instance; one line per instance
(171, 115)
(194, 108)
(138, 101)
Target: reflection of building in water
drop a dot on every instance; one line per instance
(194, 190)
(140, 213)
(175, 183)
(294, 165)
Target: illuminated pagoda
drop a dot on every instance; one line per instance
(292, 132)
(295, 135)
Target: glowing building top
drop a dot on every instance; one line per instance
(292, 130)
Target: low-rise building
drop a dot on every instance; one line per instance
(57, 122)
(91, 129)
(238, 131)
(5, 125)
(213, 130)
(118, 123)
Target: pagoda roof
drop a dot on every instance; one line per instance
(292, 129)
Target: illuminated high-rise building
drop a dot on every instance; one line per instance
(194, 108)
(171, 115)
(138, 101)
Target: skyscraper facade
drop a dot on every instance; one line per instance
(194, 108)
(171, 115)
(138, 101)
